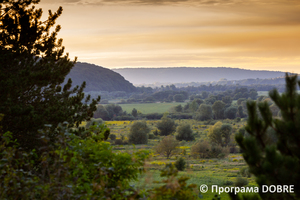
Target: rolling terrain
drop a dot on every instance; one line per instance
(192, 74)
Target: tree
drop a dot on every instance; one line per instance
(218, 109)
(227, 100)
(277, 162)
(179, 97)
(204, 112)
(204, 94)
(166, 126)
(220, 134)
(178, 108)
(240, 111)
(184, 132)
(168, 146)
(230, 112)
(32, 68)
(101, 112)
(253, 94)
(134, 112)
(139, 133)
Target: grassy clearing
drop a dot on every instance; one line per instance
(147, 108)
(221, 172)
(263, 93)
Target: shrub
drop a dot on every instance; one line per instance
(151, 136)
(201, 149)
(155, 132)
(112, 136)
(118, 142)
(240, 182)
(245, 172)
(227, 182)
(218, 151)
(72, 168)
(166, 126)
(180, 164)
(184, 132)
(173, 188)
(139, 133)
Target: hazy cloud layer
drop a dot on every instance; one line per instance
(172, 2)
(144, 33)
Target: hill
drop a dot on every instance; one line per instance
(98, 78)
(192, 74)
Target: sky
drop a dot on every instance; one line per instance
(249, 34)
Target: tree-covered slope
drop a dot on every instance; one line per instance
(98, 78)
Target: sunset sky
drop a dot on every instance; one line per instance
(250, 34)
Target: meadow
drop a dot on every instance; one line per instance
(147, 108)
(217, 171)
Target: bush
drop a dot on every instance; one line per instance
(139, 133)
(118, 142)
(180, 164)
(166, 126)
(151, 136)
(201, 149)
(218, 151)
(241, 182)
(69, 169)
(204, 150)
(245, 172)
(112, 136)
(184, 132)
(227, 183)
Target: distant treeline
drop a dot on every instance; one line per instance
(171, 93)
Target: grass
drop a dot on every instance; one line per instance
(220, 172)
(147, 108)
(263, 93)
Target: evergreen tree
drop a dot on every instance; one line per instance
(277, 162)
(32, 68)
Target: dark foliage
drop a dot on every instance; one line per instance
(185, 132)
(139, 133)
(180, 164)
(32, 68)
(166, 126)
(274, 161)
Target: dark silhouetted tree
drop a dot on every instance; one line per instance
(32, 68)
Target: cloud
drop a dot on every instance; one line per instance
(174, 2)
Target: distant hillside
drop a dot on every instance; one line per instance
(98, 78)
(192, 74)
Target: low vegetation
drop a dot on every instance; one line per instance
(52, 148)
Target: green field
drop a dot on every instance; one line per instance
(147, 108)
(263, 93)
